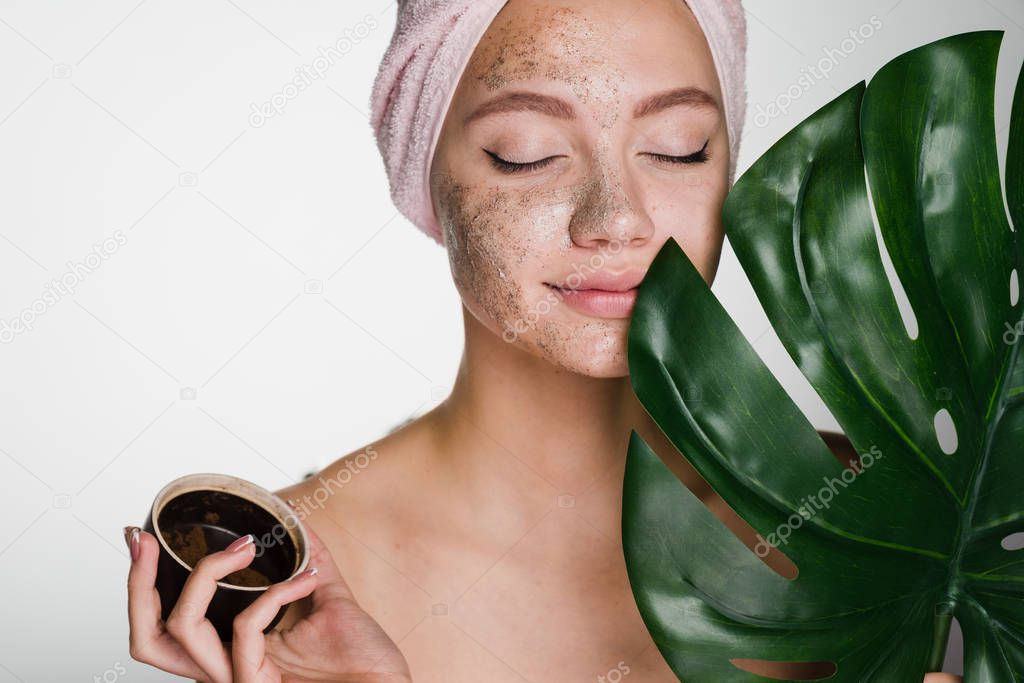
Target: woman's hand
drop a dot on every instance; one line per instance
(336, 641)
(942, 678)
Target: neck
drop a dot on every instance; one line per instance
(569, 429)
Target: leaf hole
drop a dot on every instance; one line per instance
(775, 559)
(945, 431)
(787, 671)
(898, 293)
(842, 448)
(1013, 541)
(771, 556)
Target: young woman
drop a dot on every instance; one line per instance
(481, 542)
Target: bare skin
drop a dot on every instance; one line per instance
(484, 537)
(460, 512)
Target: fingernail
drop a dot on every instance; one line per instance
(131, 538)
(240, 543)
(312, 571)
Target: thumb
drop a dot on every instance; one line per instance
(330, 585)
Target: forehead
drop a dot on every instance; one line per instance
(607, 52)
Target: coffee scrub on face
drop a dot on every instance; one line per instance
(491, 232)
(525, 202)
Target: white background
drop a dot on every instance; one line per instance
(270, 309)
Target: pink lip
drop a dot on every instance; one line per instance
(601, 303)
(601, 293)
(601, 279)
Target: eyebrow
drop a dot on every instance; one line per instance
(690, 97)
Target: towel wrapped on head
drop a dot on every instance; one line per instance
(430, 48)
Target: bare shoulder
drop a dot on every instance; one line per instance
(351, 503)
(343, 482)
(376, 471)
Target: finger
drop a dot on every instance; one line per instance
(187, 621)
(143, 599)
(248, 642)
(331, 584)
(147, 641)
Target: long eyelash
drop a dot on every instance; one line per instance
(512, 167)
(698, 157)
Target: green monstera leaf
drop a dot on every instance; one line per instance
(889, 549)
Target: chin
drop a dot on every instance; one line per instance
(611, 369)
(590, 366)
(568, 340)
(595, 348)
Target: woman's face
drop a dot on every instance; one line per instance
(555, 171)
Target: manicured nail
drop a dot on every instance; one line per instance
(131, 538)
(240, 543)
(312, 571)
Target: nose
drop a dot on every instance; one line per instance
(609, 210)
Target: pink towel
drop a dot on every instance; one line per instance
(430, 48)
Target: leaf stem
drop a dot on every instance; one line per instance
(940, 640)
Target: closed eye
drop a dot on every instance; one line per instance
(513, 167)
(698, 157)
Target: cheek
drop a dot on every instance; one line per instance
(691, 213)
(487, 251)
(502, 247)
